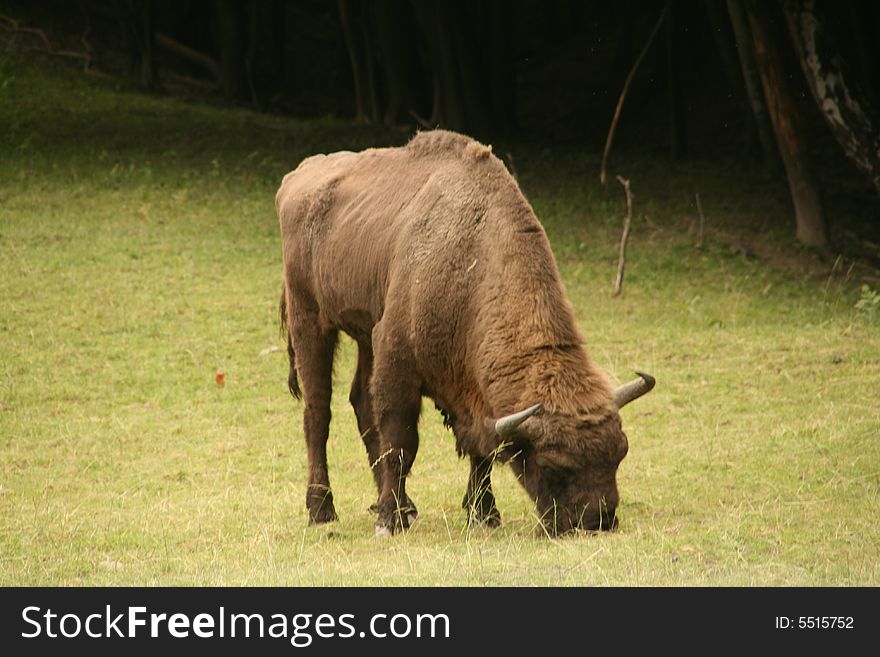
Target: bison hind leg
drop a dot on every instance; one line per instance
(314, 363)
(292, 382)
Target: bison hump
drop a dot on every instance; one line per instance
(443, 144)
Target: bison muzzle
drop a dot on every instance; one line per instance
(433, 261)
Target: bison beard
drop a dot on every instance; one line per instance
(432, 260)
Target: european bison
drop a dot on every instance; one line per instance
(431, 259)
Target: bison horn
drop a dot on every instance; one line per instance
(634, 389)
(507, 425)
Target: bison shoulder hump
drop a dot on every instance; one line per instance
(443, 144)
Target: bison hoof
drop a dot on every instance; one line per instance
(490, 521)
(322, 515)
(321, 508)
(397, 520)
(482, 512)
(408, 509)
(398, 524)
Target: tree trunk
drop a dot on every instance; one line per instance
(141, 22)
(725, 43)
(424, 13)
(675, 94)
(191, 55)
(230, 40)
(752, 82)
(862, 25)
(372, 79)
(450, 83)
(398, 56)
(471, 72)
(264, 54)
(502, 71)
(717, 14)
(786, 124)
(845, 108)
(350, 18)
(149, 76)
(436, 117)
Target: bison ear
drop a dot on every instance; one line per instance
(509, 425)
(631, 391)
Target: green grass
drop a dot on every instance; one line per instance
(139, 255)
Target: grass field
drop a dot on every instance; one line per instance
(139, 255)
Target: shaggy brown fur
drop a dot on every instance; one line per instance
(430, 257)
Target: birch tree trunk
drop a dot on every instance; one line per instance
(853, 122)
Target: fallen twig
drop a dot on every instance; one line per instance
(198, 83)
(618, 283)
(16, 27)
(626, 84)
(208, 63)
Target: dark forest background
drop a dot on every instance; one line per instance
(790, 87)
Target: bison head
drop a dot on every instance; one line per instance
(568, 462)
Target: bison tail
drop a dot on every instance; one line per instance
(292, 382)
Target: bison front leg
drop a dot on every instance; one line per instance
(314, 363)
(362, 403)
(396, 396)
(479, 502)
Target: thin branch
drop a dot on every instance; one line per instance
(426, 124)
(190, 54)
(626, 84)
(86, 57)
(84, 39)
(618, 283)
(15, 26)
